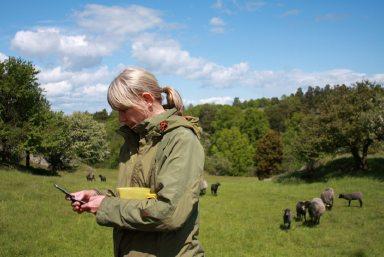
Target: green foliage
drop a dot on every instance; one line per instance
(101, 116)
(269, 155)
(56, 145)
(346, 119)
(227, 117)
(234, 146)
(22, 108)
(115, 141)
(304, 140)
(207, 114)
(88, 137)
(254, 125)
(218, 165)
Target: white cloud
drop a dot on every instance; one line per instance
(293, 12)
(117, 20)
(73, 51)
(233, 6)
(96, 90)
(166, 56)
(253, 5)
(217, 100)
(331, 17)
(216, 21)
(217, 25)
(57, 88)
(3, 57)
(77, 90)
(102, 29)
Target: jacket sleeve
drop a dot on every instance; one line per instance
(178, 181)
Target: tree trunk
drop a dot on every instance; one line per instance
(364, 159)
(27, 158)
(356, 156)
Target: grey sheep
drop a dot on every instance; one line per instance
(327, 196)
(301, 210)
(353, 196)
(203, 186)
(316, 208)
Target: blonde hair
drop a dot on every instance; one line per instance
(126, 89)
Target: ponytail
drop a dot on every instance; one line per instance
(173, 100)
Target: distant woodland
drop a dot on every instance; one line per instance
(260, 137)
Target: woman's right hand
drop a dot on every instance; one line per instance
(83, 195)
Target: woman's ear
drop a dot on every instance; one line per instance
(148, 98)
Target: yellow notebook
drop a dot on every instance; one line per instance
(135, 193)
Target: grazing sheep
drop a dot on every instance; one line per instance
(353, 196)
(301, 211)
(203, 187)
(214, 188)
(103, 178)
(90, 177)
(287, 218)
(327, 197)
(316, 208)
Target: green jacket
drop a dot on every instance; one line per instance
(164, 154)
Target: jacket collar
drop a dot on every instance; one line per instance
(149, 127)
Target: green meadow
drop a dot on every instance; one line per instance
(243, 220)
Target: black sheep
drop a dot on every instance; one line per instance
(287, 218)
(301, 210)
(353, 196)
(103, 178)
(214, 188)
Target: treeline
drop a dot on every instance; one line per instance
(28, 126)
(260, 137)
(263, 137)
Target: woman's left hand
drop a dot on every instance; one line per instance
(93, 204)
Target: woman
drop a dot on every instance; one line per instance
(161, 152)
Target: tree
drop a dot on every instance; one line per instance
(56, 145)
(346, 118)
(22, 108)
(234, 146)
(88, 138)
(305, 140)
(227, 117)
(269, 155)
(254, 125)
(101, 116)
(236, 102)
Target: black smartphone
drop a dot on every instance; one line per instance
(68, 195)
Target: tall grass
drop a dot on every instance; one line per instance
(243, 220)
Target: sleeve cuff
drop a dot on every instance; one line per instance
(107, 207)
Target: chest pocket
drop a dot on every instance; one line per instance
(144, 168)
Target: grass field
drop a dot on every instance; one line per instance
(243, 220)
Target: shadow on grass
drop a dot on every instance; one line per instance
(284, 227)
(338, 168)
(31, 170)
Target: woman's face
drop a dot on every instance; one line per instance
(132, 116)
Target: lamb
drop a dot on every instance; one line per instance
(90, 177)
(327, 197)
(316, 208)
(287, 218)
(203, 186)
(301, 211)
(214, 188)
(103, 178)
(353, 196)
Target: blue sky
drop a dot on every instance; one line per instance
(211, 51)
